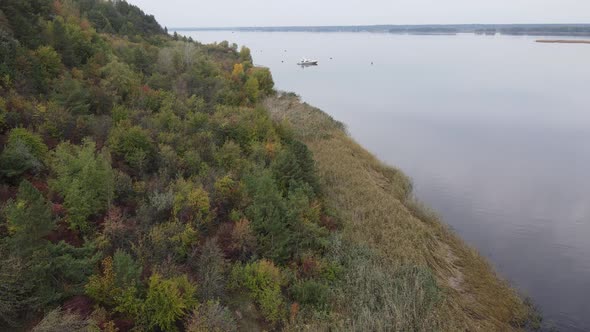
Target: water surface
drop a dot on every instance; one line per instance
(494, 131)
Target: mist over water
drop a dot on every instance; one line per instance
(494, 131)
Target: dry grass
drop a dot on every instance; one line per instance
(376, 205)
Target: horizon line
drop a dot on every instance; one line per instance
(379, 25)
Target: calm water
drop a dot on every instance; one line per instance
(495, 132)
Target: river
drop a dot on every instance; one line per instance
(493, 130)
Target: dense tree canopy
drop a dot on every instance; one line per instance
(142, 180)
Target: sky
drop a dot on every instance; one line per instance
(232, 13)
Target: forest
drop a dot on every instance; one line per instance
(142, 185)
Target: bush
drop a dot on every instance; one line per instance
(85, 180)
(263, 281)
(59, 320)
(311, 293)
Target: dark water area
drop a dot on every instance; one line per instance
(493, 130)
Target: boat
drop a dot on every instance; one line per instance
(307, 62)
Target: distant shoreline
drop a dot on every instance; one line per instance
(555, 30)
(563, 41)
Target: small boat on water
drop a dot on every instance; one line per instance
(307, 62)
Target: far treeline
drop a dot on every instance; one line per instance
(505, 29)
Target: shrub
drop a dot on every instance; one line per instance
(311, 293)
(263, 281)
(59, 320)
(85, 179)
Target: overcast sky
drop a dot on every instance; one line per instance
(223, 13)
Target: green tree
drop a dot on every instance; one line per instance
(264, 78)
(28, 220)
(33, 141)
(167, 301)
(121, 78)
(85, 179)
(252, 89)
(133, 144)
(245, 54)
(191, 203)
(270, 220)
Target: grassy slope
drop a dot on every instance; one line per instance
(377, 208)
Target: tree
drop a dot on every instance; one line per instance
(264, 78)
(245, 54)
(191, 204)
(167, 301)
(103, 288)
(211, 317)
(28, 220)
(170, 239)
(133, 144)
(238, 72)
(211, 268)
(16, 291)
(31, 140)
(17, 159)
(121, 78)
(118, 273)
(270, 220)
(85, 179)
(252, 89)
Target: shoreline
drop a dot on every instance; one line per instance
(401, 229)
(562, 41)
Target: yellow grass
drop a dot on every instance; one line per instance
(378, 210)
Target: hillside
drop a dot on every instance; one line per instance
(153, 183)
